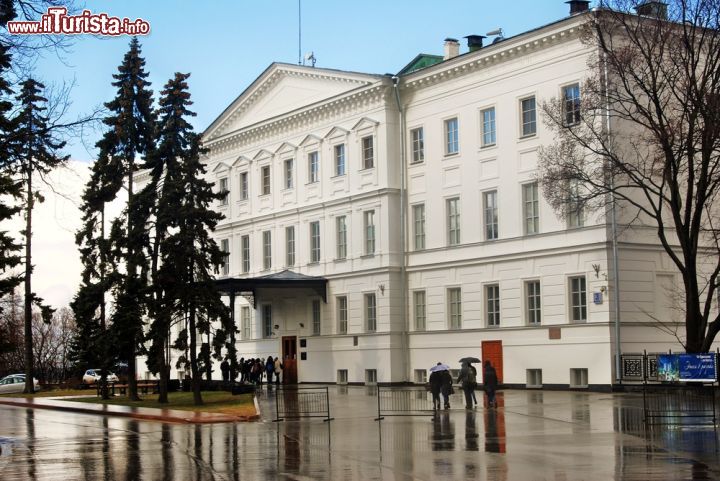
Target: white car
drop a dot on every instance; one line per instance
(92, 376)
(15, 383)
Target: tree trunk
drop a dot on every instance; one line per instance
(29, 384)
(197, 398)
(131, 273)
(104, 392)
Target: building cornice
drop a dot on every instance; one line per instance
(501, 52)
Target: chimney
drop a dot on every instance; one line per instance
(452, 48)
(578, 6)
(652, 9)
(475, 42)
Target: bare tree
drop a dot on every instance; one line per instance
(644, 136)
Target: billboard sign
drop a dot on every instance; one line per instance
(687, 367)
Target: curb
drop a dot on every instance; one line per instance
(191, 418)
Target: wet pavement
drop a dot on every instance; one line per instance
(532, 435)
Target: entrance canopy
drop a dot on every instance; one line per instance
(248, 286)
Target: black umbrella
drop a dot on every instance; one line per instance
(469, 360)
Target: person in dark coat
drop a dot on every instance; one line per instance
(490, 382)
(446, 387)
(467, 380)
(436, 383)
(225, 369)
(270, 369)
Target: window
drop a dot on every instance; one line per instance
(575, 214)
(265, 179)
(371, 376)
(532, 302)
(244, 193)
(578, 377)
(289, 173)
(245, 247)
(488, 127)
(419, 301)
(490, 211)
(267, 250)
(534, 377)
(418, 212)
(342, 313)
(578, 299)
(316, 317)
(527, 111)
(225, 247)
(340, 159)
(417, 138)
(369, 222)
(420, 376)
(315, 241)
(492, 305)
(245, 322)
(224, 190)
(452, 145)
(267, 320)
(290, 246)
(368, 153)
(370, 313)
(341, 233)
(571, 104)
(313, 167)
(453, 221)
(455, 308)
(531, 208)
(342, 376)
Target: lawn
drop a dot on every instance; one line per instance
(214, 402)
(52, 393)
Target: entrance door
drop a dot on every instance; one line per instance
(492, 351)
(289, 355)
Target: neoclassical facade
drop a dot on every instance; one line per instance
(414, 199)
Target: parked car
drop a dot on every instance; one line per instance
(15, 383)
(92, 376)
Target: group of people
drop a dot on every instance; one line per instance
(253, 370)
(441, 382)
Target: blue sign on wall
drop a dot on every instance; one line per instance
(687, 367)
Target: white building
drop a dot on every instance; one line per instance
(415, 198)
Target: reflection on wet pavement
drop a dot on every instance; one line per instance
(531, 435)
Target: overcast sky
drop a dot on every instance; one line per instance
(225, 45)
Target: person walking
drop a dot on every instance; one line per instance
(474, 371)
(278, 370)
(436, 382)
(446, 387)
(468, 381)
(270, 369)
(225, 369)
(490, 382)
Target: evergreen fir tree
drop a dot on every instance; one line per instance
(188, 256)
(37, 152)
(131, 122)
(92, 344)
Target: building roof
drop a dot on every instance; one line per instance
(421, 61)
(248, 286)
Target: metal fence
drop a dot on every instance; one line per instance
(302, 402)
(665, 402)
(405, 401)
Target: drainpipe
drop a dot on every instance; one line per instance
(613, 230)
(405, 345)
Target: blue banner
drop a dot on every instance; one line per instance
(687, 367)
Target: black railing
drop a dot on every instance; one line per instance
(405, 401)
(302, 402)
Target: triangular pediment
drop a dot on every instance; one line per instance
(310, 139)
(241, 160)
(221, 167)
(336, 132)
(262, 154)
(365, 123)
(282, 89)
(285, 147)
